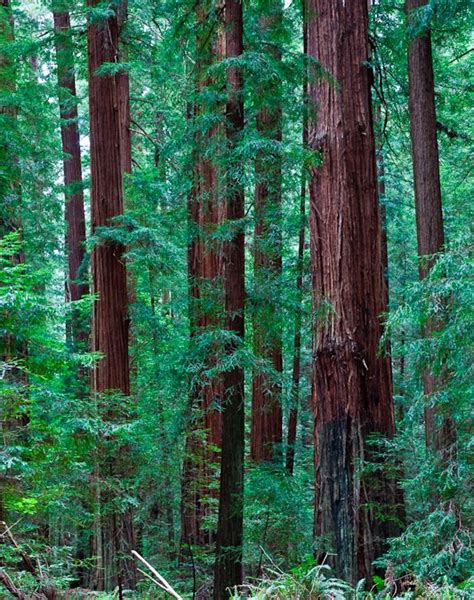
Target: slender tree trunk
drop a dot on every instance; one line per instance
(266, 433)
(228, 568)
(296, 370)
(109, 159)
(206, 301)
(9, 206)
(76, 288)
(352, 395)
(10, 191)
(429, 213)
(123, 85)
(13, 418)
(379, 150)
(296, 367)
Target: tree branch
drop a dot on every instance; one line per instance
(451, 133)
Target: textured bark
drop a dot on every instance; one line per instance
(110, 311)
(228, 568)
(266, 432)
(109, 159)
(429, 213)
(428, 204)
(296, 367)
(206, 301)
(352, 396)
(76, 287)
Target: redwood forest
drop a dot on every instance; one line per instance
(236, 299)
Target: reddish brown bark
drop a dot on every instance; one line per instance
(204, 272)
(429, 213)
(110, 310)
(266, 432)
(76, 287)
(428, 203)
(109, 160)
(228, 568)
(352, 396)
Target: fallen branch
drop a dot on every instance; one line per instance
(8, 583)
(148, 576)
(14, 591)
(46, 592)
(27, 562)
(157, 579)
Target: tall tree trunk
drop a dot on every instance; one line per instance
(228, 568)
(296, 367)
(266, 433)
(429, 213)
(352, 395)
(13, 417)
(110, 154)
(206, 302)
(76, 288)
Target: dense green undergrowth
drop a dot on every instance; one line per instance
(306, 582)
(317, 583)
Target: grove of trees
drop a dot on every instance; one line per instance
(236, 299)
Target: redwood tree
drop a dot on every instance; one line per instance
(204, 272)
(429, 213)
(74, 211)
(266, 434)
(228, 568)
(351, 390)
(110, 157)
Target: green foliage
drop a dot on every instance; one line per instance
(315, 582)
(304, 582)
(278, 517)
(437, 541)
(55, 434)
